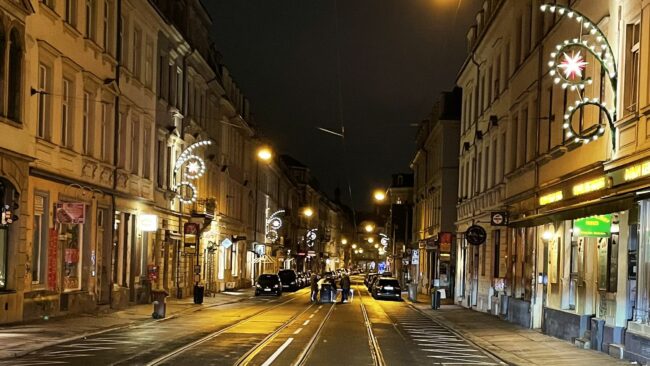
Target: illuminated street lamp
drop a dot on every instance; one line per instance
(376, 245)
(371, 240)
(344, 241)
(264, 153)
(379, 195)
(369, 228)
(360, 250)
(354, 246)
(308, 212)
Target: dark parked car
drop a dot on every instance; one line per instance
(289, 280)
(386, 287)
(268, 284)
(369, 278)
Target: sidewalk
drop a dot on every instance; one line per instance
(511, 343)
(20, 339)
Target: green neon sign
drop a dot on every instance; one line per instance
(599, 226)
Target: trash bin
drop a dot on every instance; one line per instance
(435, 299)
(159, 303)
(325, 293)
(413, 292)
(198, 294)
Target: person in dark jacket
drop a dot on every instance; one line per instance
(314, 288)
(345, 288)
(332, 282)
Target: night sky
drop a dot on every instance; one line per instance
(395, 57)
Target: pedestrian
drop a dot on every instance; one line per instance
(314, 288)
(332, 282)
(345, 288)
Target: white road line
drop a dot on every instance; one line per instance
(311, 316)
(298, 331)
(306, 322)
(277, 352)
(320, 306)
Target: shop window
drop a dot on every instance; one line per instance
(40, 238)
(71, 240)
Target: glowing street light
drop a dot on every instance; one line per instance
(264, 153)
(354, 246)
(360, 250)
(308, 212)
(376, 245)
(371, 240)
(369, 228)
(379, 195)
(344, 241)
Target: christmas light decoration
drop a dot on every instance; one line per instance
(384, 240)
(567, 67)
(194, 169)
(311, 237)
(274, 223)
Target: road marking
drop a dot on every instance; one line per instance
(311, 316)
(277, 352)
(298, 331)
(320, 306)
(306, 322)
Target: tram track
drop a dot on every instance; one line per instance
(181, 350)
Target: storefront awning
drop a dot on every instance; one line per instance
(599, 206)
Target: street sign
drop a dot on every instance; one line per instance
(475, 235)
(499, 218)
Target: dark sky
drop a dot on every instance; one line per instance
(395, 57)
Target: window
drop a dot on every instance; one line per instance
(106, 27)
(66, 120)
(631, 90)
(122, 40)
(161, 163)
(497, 75)
(121, 140)
(179, 86)
(148, 67)
(135, 146)
(105, 139)
(146, 152)
(91, 23)
(87, 132)
(496, 245)
(71, 240)
(513, 144)
(137, 53)
(69, 12)
(39, 244)
(44, 128)
(15, 73)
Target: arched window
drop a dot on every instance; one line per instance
(15, 73)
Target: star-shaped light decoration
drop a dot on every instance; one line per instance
(573, 65)
(193, 167)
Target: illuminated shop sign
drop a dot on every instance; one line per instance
(589, 186)
(599, 226)
(637, 171)
(148, 223)
(550, 198)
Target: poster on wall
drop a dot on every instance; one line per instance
(52, 251)
(70, 213)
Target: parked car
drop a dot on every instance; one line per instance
(268, 284)
(306, 278)
(289, 280)
(387, 274)
(369, 277)
(372, 282)
(386, 287)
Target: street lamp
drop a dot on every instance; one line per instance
(308, 212)
(376, 245)
(344, 241)
(354, 246)
(371, 240)
(264, 154)
(379, 195)
(369, 228)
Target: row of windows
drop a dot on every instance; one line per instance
(86, 116)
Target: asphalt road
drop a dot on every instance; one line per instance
(289, 330)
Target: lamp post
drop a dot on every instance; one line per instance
(264, 154)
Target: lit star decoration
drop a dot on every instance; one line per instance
(195, 168)
(568, 68)
(573, 65)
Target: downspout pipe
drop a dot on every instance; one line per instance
(116, 137)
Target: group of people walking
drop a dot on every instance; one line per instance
(323, 284)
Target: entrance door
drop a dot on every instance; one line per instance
(475, 261)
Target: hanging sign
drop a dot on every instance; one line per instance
(499, 218)
(595, 226)
(226, 243)
(148, 223)
(70, 213)
(191, 228)
(475, 235)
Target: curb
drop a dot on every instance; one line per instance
(467, 337)
(7, 355)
